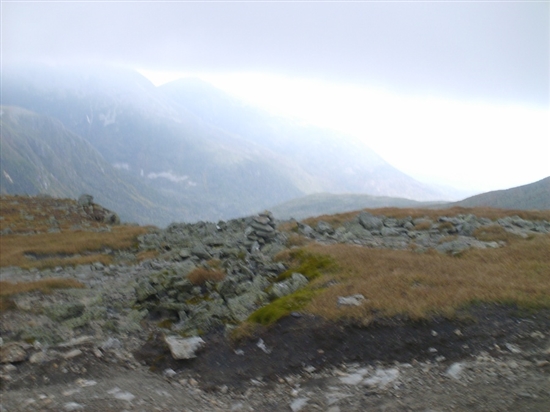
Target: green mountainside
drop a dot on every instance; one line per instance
(533, 196)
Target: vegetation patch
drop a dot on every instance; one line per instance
(282, 307)
(9, 289)
(201, 275)
(311, 265)
(66, 248)
(405, 283)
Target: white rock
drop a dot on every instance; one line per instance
(262, 346)
(184, 348)
(73, 406)
(455, 370)
(72, 354)
(298, 404)
(382, 377)
(352, 379)
(169, 373)
(513, 348)
(124, 396)
(353, 300)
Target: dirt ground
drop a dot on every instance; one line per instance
(490, 358)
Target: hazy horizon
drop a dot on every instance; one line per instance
(450, 93)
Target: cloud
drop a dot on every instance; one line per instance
(486, 50)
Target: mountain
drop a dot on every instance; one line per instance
(339, 164)
(205, 155)
(533, 196)
(327, 203)
(39, 155)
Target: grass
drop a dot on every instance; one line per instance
(66, 248)
(397, 282)
(200, 276)
(434, 214)
(9, 289)
(413, 285)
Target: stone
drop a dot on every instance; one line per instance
(298, 404)
(85, 200)
(73, 406)
(184, 348)
(64, 311)
(144, 290)
(455, 370)
(370, 222)
(353, 300)
(12, 352)
(382, 378)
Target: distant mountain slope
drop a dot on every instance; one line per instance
(39, 155)
(326, 204)
(528, 197)
(338, 164)
(205, 155)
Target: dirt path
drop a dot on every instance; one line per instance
(494, 360)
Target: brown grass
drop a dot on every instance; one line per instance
(66, 248)
(200, 276)
(420, 285)
(434, 214)
(8, 289)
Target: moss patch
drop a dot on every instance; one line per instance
(283, 307)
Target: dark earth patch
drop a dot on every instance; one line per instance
(297, 342)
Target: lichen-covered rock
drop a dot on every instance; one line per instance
(64, 311)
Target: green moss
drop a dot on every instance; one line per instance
(282, 307)
(309, 264)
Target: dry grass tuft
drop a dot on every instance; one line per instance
(200, 276)
(420, 285)
(66, 248)
(434, 214)
(493, 233)
(8, 289)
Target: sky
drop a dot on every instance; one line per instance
(455, 93)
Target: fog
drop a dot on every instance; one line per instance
(453, 93)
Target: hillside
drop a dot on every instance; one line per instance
(533, 196)
(41, 156)
(424, 306)
(328, 203)
(203, 153)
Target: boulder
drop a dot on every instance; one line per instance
(184, 348)
(370, 222)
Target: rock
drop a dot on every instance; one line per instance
(263, 347)
(72, 354)
(324, 228)
(280, 289)
(353, 300)
(370, 222)
(144, 290)
(64, 311)
(73, 406)
(184, 254)
(85, 200)
(38, 357)
(201, 252)
(298, 404)
(455, 370)
(12, 352)
(382, 378)
(184, 348)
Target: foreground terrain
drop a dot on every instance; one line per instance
(389, 309)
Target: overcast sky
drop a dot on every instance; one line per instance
(467, 82)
